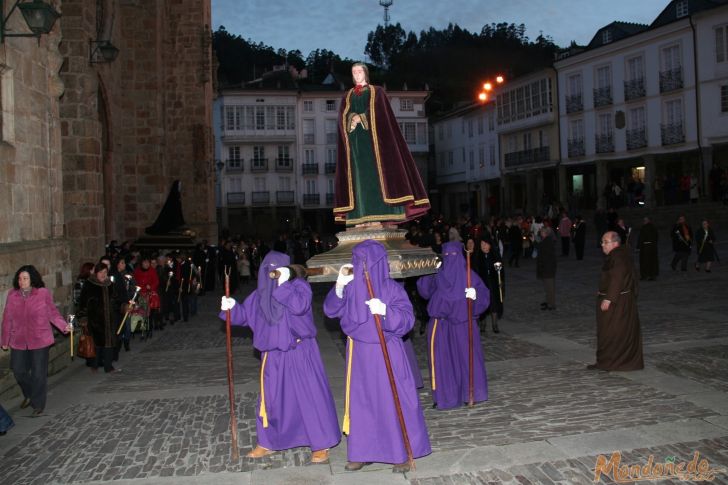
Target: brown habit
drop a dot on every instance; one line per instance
(619, 339)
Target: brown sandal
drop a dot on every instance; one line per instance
(259, 452)
(320, 457)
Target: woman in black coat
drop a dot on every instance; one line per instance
(705, 244)
(546, 267)
(485, 260)
(100, 307)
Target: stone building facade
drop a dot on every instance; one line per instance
(89, 150)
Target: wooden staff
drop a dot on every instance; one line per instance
(229, 345)
(471, 401)
(128, 310)
(390, 374)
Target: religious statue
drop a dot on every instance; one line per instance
(376, 177)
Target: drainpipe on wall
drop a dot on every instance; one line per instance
(703, 175)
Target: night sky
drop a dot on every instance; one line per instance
(342, 25)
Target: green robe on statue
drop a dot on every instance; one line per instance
(369, 204)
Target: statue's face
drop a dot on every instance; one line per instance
(357, 72)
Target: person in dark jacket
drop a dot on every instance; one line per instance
(124, 287)
(546, 267)
(486, 261)
(682, 242)
(647, 244)
(100, 307)
(515, 239)
(705, 246)
(578, 235)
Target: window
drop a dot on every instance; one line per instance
(235, 184)
(671, 58)
(406, 104)
(450, 158)
(330, 184)
(259, 184)
(258, 155)
(330, 105)
(308, 106)
(724, 99)
(311, 186)
(449, 130)
(284, 154)
(259, 118)
(472, 160)
(673, 112)
(637, 118)
(574, 85)
(250, 117)
(309, 156)
(576, 129)
(606, 36)
(462, 126)
(491, 155)
(462, 155)
(331, 155)
(234, 160)
(331, 132)
(604, 124)
(422, 133)
(309, 128)
(290, 118)
(284, 183)
(409, 132)
(470, 128)
(233, 117)
(481, 156)
(681, 8)
(721, 43)
(270, 117)
(441, 132)
(604, 77)
(481, 125)
(527, 141)
(491, 121)
(635, 68)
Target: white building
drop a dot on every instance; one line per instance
(527, 127)
(629, 104)
(466, 162)
(276, 154)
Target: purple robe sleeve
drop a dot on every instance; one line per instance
(426, 286)
(238, 316)
(400, 317)
(333, 305)
(295, 296)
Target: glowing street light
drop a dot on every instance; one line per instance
(499, 79)
(483, 97)
(487, 86)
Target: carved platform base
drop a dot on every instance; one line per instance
(405, 260)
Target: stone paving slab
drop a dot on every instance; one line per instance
(141, 439)
(543, 403)
(708, 366)
(581, 470)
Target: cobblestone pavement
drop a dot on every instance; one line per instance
(165, 419)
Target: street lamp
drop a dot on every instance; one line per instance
(39, 17)
(484, 95)
(102, 51)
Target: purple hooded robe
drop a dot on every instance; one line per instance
(447, 330)
(370, 420)
(295, 406)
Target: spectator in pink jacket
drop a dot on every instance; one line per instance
(29, 310)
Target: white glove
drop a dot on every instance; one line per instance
(377, 306)
(284, 273)
(438, 264)
(343, 279)
(470, 293)
(227, 303)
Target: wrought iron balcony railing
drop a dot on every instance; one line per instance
(574, 103)
(284, 197)
(329, 199)
(602, 96)
(234, 165)
(634, 89)
(671, 80)
(672, 134)
(284, 165)
(258, 164)
(576, 147)
(311, 199)
(310, 169)
(261, 197)
(525, 157)
(235, 198)
(636, 139)
(604, 143)
(329, 168)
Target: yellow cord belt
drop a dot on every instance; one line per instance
(432, 354)
(262, 413)
(345, 426)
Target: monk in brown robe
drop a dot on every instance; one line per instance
(619, 339)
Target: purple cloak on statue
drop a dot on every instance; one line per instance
(295, 406)
(370, 419)
(447, 330)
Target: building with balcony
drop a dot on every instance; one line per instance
(527, 128)
(276, 150)
(649, 101)
(466, 162)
